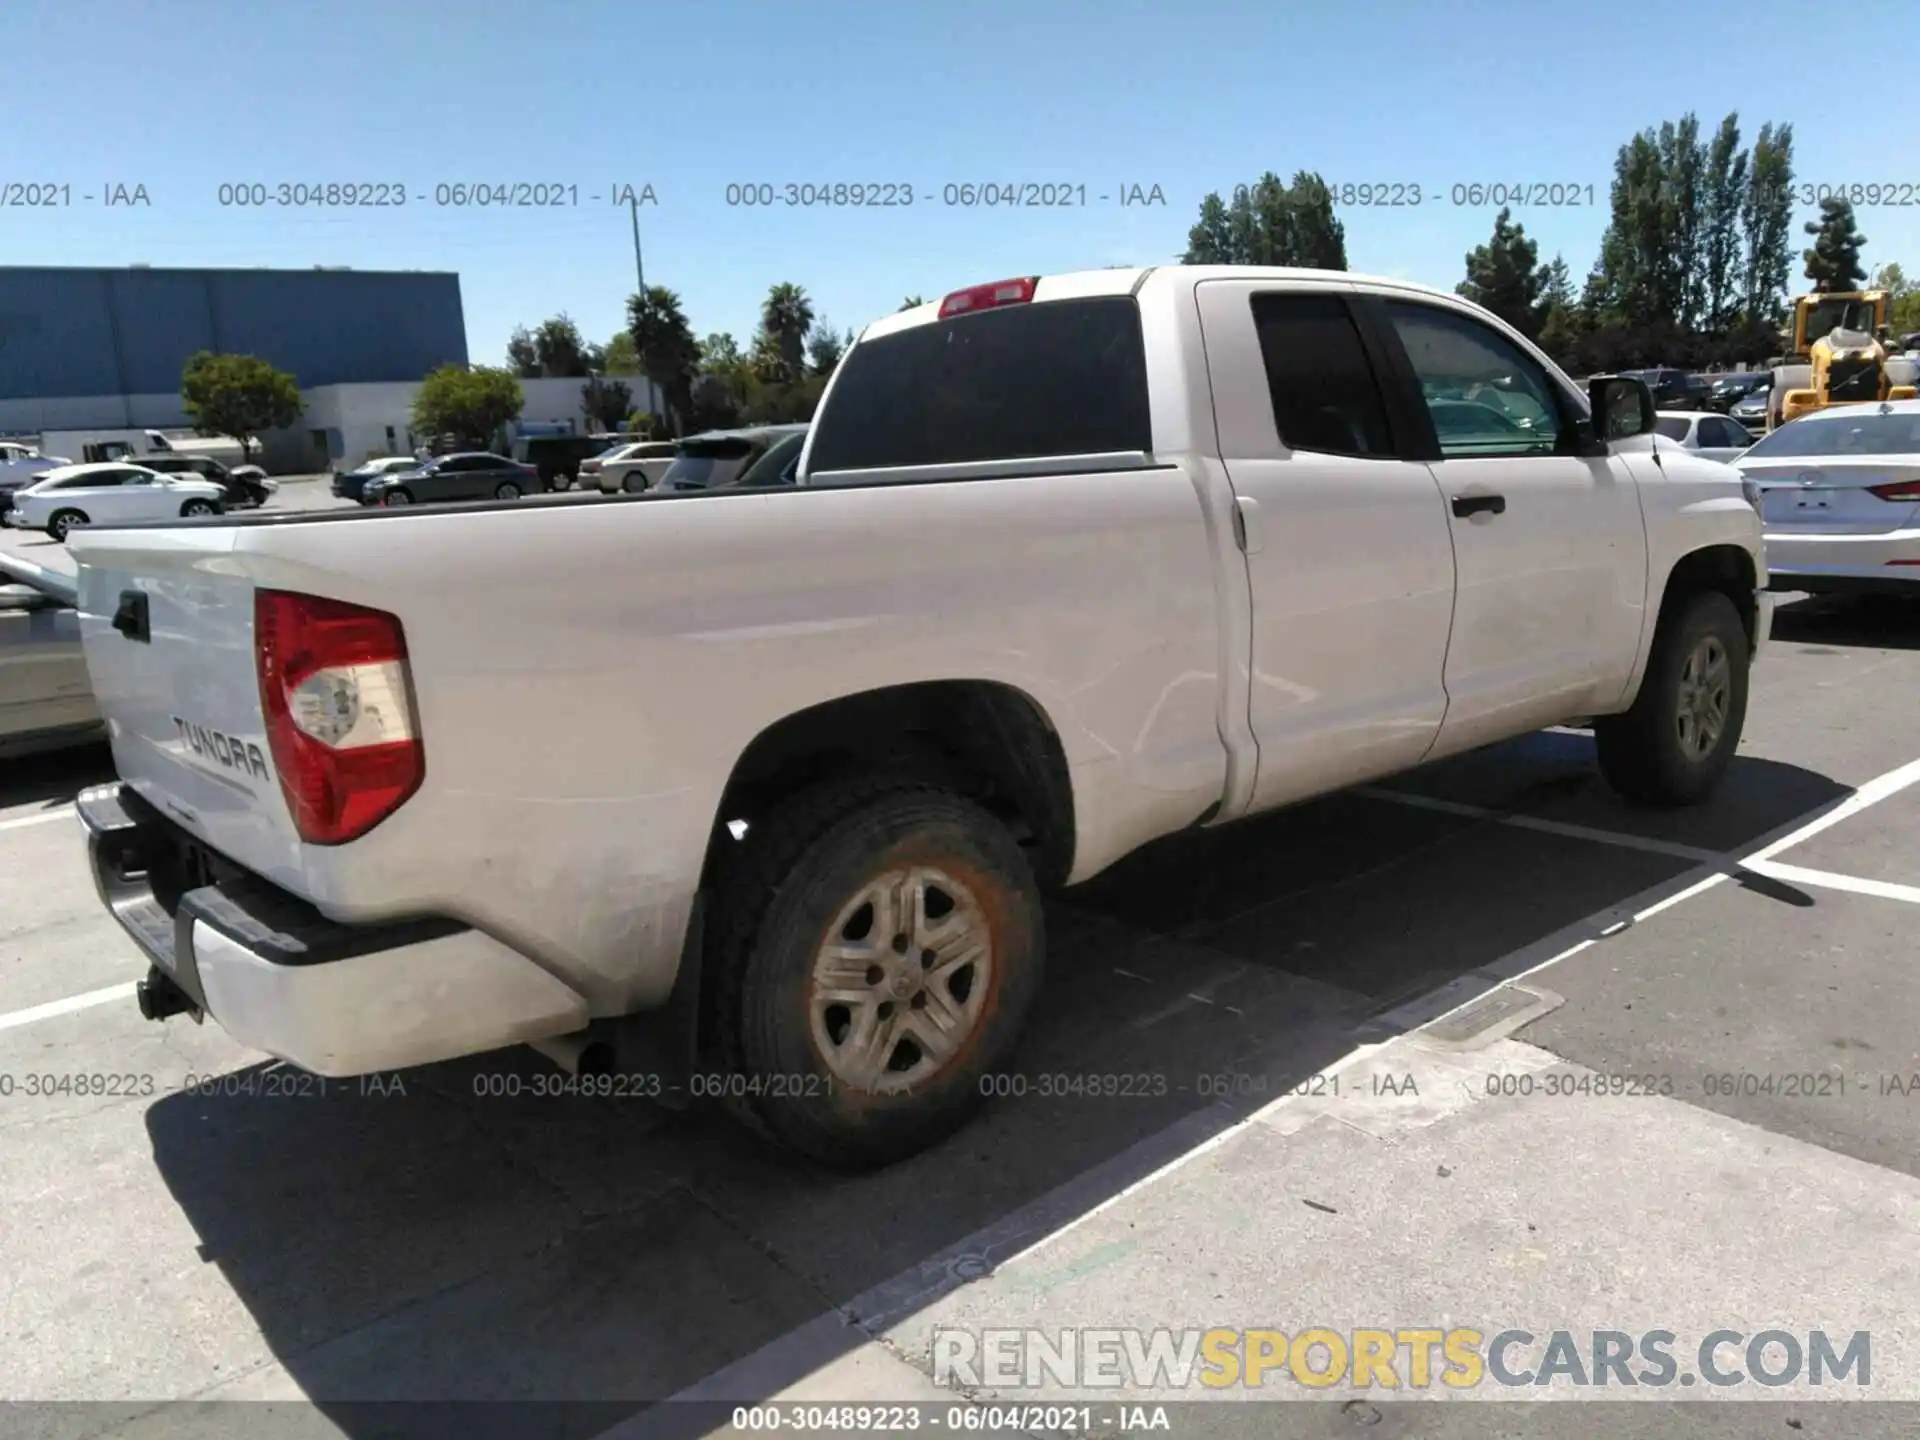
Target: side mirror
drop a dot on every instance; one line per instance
(1622, 407)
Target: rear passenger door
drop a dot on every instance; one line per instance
(1550, 544)
(1346, 540)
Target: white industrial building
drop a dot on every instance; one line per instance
(342, 425)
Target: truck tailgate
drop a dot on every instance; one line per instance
(166, 622)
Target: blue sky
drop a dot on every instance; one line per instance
(691, 97)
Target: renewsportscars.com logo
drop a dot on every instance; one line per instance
(1392, 1359)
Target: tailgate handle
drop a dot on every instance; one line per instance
(131, 618)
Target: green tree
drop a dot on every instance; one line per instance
(1834, 261)
(1903, 296)
(1210, 241)
(767, 363)
(560, 350)
(786, 318)
(1766, 218)
(1725, 186)
(605, 401)
(911, 302)
(1270, 223)
(825, 347)
(621, 356)
(471, 405)
(238, 395)
(522, 358)
(1505, 276)
(669, 355)
(1559, 319)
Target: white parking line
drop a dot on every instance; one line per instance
(1545, 827)
(48, 1011)
(1827, 880)
(65, 812)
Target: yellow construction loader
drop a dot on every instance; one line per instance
(1838, 354)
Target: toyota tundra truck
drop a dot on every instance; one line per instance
(1070, 563)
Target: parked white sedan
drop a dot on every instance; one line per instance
(1710, 436)
(646, 461)
(1839, 492)
(107, 494)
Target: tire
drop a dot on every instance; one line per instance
(506, 490)
(194, 509)
(1650, 754)
(64, 520)
(397, 497)
(807, 871)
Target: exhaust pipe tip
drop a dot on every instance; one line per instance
(577, 1054)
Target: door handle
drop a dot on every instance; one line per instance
(130, 619)
(1465, 505)
(1246, 524)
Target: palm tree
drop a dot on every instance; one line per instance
(669, 355)
(786, 317)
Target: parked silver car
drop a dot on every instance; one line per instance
(46, 700)
(466, 475)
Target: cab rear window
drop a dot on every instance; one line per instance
(1063, 377)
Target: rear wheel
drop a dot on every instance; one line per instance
(64, 521)
(1676, 742)
(397, 497)
(194, 509)
(506, 490)
(880, 943)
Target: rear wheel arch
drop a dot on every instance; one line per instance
(986, 740)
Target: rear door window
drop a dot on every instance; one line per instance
(1061, 377)
(1325, 395)
(1673, 429)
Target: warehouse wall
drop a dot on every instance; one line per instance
(88, 338)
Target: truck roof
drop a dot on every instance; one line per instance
(1082, 284)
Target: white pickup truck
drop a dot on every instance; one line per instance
(1069, 564)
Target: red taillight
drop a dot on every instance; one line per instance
(986, 297)
(1898, 490)
(334, 692)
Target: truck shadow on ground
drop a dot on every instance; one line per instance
(49, 780)
(1882, 622)
(430, 1237)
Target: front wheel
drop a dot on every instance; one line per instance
(1676, 742)
(63, 523)
(878, 949)
(396, 497)
(195, 509)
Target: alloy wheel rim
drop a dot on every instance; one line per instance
(1706, 692)
(901, 980)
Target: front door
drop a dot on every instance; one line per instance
(1347, 552)
(1550, 544)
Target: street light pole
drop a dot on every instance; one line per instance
(639, 272)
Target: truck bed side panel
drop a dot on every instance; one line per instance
(586, 677)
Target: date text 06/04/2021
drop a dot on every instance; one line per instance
(443, 195)
(960, 194)
(1576, 194)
